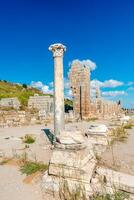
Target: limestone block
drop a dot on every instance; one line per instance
(74, 164)
(72, 161)
(52, 185)
(119, 180)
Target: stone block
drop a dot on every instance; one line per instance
(72, 160)
(118, 180)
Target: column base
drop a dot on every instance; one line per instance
(71, 166)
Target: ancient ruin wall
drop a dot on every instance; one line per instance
(79, 77)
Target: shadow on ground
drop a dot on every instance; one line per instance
(49, 134)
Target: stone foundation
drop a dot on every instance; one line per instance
(13, 118)
(72, 161)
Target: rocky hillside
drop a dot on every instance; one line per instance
(22, 91)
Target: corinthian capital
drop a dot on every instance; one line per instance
(57, 49)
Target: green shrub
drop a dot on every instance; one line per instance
(32, 167)
(28, 139)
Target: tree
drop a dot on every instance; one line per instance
(24, 85)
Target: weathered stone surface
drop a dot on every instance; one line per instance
(10, 102)
(98, 130)
(58, 52)
(98, 135)
(118, 180)
(44, 103)
(52, 185)
(76, 164)
(79, 76)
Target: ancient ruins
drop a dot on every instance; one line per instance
(41, 103)
(73, 146)
(73, 159)
(84, 107)
(80, 84)
(10, 102)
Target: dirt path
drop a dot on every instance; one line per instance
(12, 186)
(121, 156)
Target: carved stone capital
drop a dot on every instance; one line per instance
(57, 49)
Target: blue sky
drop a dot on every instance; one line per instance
(99, 30)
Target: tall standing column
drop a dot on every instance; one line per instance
(58, 51)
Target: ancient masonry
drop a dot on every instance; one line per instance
(10, 102)
(84, 106)
(41, 103)
(80, 84)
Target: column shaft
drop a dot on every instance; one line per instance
(58, 95)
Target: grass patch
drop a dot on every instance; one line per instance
(79, 193)
(29, 168)
(128, 126)
(29, 139)
(118, 195)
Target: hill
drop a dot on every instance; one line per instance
(22, 91)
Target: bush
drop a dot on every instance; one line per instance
(32, 167)
(28, 139)
(128, 126)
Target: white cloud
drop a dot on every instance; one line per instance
(130, 83)
(37, 84)
(87, 63)
(44, 88)
(51, 84)
(93, 92)
(131, 89)
(96, 83)
(66, 83)
(113, 93)
(112, 83)
(69, 94)
(106, 84)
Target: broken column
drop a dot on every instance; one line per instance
(58, 51)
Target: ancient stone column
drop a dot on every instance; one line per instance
(58, 51)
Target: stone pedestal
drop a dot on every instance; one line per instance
(99, 137)
(72, 161)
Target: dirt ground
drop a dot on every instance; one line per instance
(12, 184)
(121, 155)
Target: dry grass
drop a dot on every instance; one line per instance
(65, 193)
(128, 126)
(119, 134)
